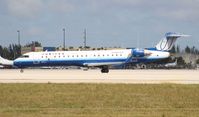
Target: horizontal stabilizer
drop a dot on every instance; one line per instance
(176, 35)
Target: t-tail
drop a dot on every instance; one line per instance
(168, 42)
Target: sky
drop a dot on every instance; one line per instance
(109, 23)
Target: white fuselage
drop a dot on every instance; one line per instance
(83, 58)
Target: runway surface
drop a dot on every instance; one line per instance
(95, 76)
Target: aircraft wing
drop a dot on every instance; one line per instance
(102, 64)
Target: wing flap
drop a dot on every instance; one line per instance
(102, 64)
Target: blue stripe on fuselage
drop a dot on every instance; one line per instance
(31, 63)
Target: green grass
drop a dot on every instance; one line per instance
(98, 100)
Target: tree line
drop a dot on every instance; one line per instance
(187, 49)
(13, 51)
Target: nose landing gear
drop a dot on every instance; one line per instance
(21, 70)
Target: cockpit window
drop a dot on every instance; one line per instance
(24, 56)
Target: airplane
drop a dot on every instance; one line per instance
(102, 59)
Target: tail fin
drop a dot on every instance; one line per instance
(167, 43)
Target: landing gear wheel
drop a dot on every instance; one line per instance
(143, 66)
(21, 71)
(105, 69)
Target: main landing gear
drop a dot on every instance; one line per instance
(104, 69)
(21, 70)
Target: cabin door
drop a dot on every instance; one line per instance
(36, 59)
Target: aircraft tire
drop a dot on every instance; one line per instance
(21, 71)
(105, 70)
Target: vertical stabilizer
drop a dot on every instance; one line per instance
(168, 42)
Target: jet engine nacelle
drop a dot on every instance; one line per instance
(140, 53)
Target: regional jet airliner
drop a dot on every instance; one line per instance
(102, 59)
